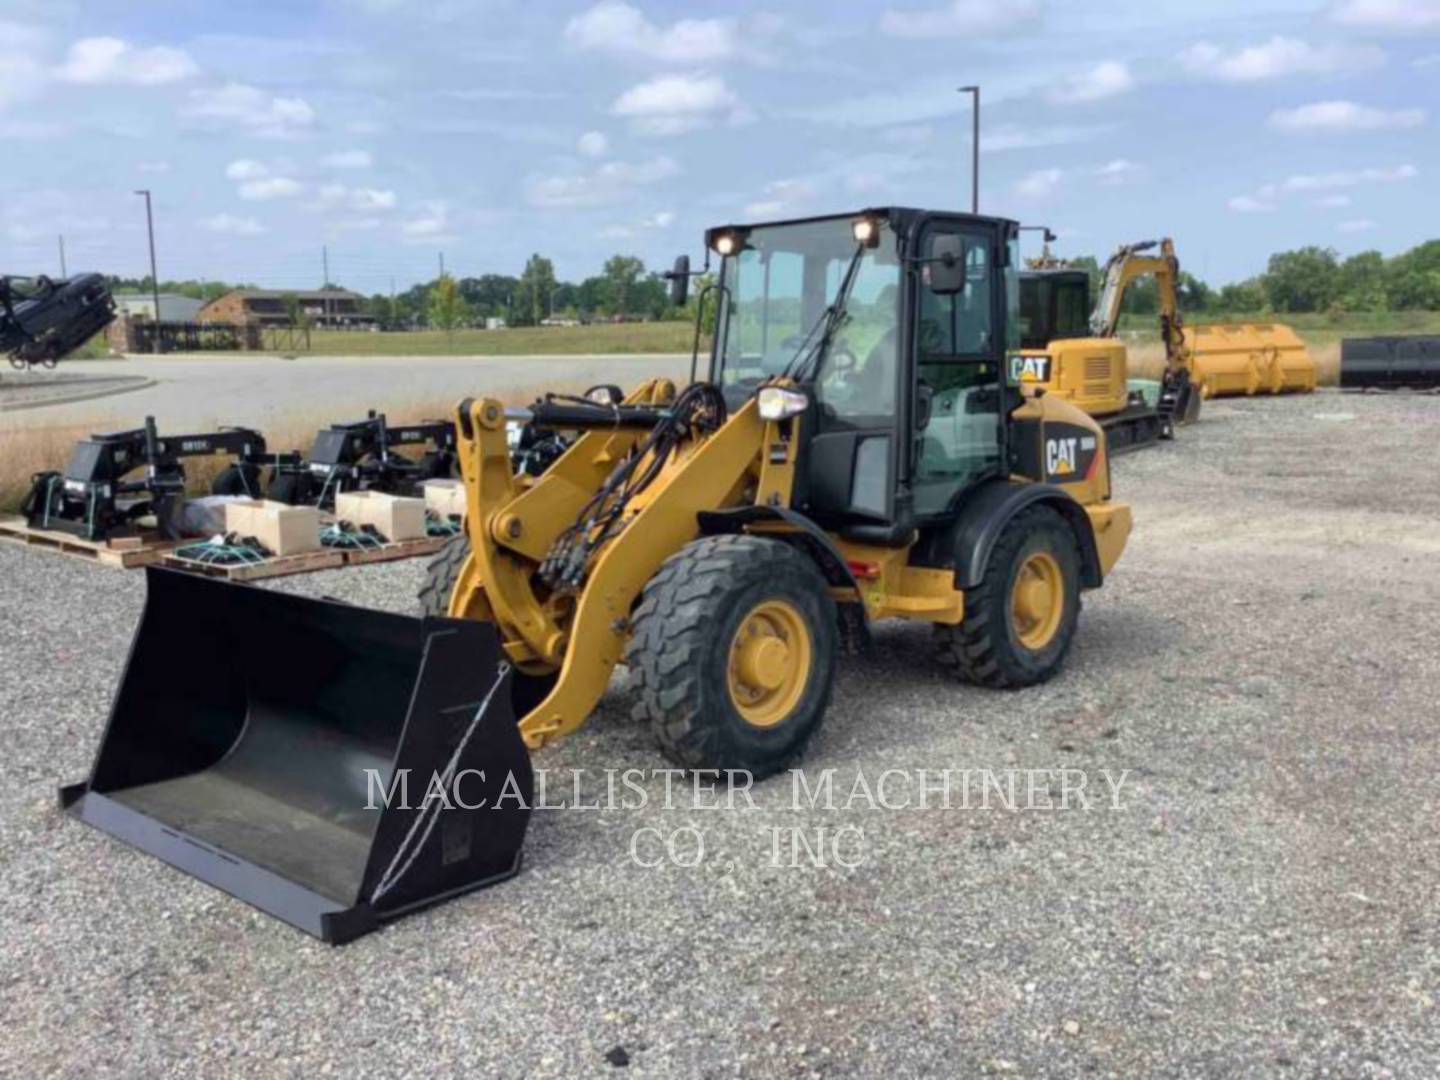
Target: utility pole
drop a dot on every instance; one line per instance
(442, 264)
(154, 277)
(974, 92)
(325, 284)
(62, 256)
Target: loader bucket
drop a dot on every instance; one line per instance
(1249, 358)
(282, 749)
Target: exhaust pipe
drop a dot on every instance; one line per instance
(333, 766)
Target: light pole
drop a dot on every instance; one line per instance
(154, 277)
(974, 92)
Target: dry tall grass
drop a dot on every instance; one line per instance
(28, 451)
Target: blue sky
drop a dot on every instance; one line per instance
(391, 131)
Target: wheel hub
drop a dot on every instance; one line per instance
(769, 662)
(1037, 600)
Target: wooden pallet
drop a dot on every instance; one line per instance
(401, 549)
(122, 552)
(279, 566)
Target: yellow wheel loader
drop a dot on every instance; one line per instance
(856, 453)
(1083, 360)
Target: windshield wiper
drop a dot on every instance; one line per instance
(805, 365)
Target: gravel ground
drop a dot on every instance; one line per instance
(1263, 663)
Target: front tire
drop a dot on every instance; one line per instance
(733, 654)
(1020, 620)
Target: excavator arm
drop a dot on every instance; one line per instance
(1130, 263)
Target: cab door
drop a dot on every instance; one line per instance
(959, 345)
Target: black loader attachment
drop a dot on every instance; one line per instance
(1409, 362)
(42, 320)
(362, 455)
(380, 773)
(114, 480)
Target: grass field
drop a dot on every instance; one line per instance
(599, 339)
(1315, 329)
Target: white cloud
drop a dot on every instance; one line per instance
(1267, 196)
(909, 135)
(248, 107)
(607, 184)
(231, 225)
(101, 60)
(672, 104)
(1398, 15)
(1039, 184)
(156, 167)
(1357, 225)
(270, 187)
(1006, 137)
(348, 159)
(362, 200)
(1351, 178)
(961, 18)
(1118, 172)
(617, 27)
(1277, 58)
(661, 220)
(1343, 116)
(1249, 204)
(432, 226)
(782, 198)
(246, 169)
(21, 75)
(593, 144)
(1104, 80)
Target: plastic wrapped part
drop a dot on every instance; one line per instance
(1390, 363)
(282, 749)
(205, 516)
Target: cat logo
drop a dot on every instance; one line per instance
(1029, 369)
(1060, 456)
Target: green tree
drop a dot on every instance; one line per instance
(620, 275)
(1302, 280)
(535, 292)
(1412, 280)
(1243, 297)
(448, 309)
(1361, 284)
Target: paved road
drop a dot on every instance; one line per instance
(260, 390)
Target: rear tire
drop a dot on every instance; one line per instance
(733, 654)
(1020, 620)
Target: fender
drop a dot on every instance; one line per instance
(815, 542)
(809, 537)
(990, 507)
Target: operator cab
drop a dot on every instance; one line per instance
(1054, 306)
(895, 323)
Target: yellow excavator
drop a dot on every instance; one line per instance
(856, 453)
(1084, 361)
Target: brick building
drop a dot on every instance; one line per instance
(337, 308)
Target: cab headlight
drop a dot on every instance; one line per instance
(778, 403)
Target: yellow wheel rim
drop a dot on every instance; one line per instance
(1037, 600)
(769, 663)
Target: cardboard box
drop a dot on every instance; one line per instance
(393, 516)
(281, 528)
(445, 498)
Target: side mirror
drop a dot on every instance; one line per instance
(680, 281)
(947, 264)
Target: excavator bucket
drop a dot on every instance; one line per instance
(1248, 358)
(334, 766)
